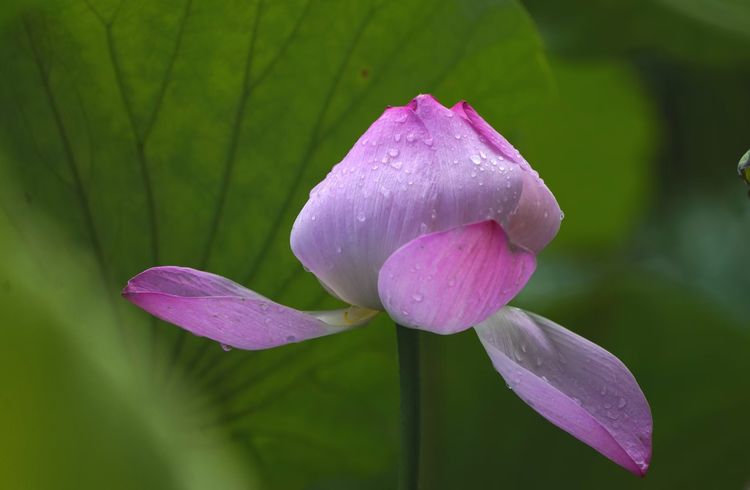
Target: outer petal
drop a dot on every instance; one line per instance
(215, 307)
(447, 281)
(418, 169)
(536, 219)
(573, 383)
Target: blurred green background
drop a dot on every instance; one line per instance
(135, 133)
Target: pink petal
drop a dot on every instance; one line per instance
(447, 281)
(573, 383)
(215, 307)
(418, 169)
(536, 219)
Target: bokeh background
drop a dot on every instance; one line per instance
(135, 133)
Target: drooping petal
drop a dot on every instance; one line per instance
(536, 219)
(448, 281)
(418, 169)
(220, 309)
(573, 383)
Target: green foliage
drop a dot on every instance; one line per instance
(189, 132)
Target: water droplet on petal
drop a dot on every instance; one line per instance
(397, 137)
(458, 136)
(410, 137)
(417, 297)
(622, 403)
(226, 348)
(264, 306)
(291, 338)
(339, 250)
(393, 152)
(396, 165)
(476, 159)
(483, 155)
(361, 218)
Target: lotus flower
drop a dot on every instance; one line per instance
(434, 218)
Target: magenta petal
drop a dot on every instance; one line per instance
(573, 383)
(536, 219)
(448, 281)
(220, 309)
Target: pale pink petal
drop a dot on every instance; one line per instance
(220, 309)
(536, 219)
(448, 281)
(573, 383)
(418, 169)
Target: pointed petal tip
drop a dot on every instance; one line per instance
(424, 100)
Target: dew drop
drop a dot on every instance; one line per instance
(393, 152)
(225, 347)
(313, 217)
(417, 297)
(264, 306)
(621, 403)
(476, 159)
(458, 136)
(339, 250)
(428, 141)
(410, 137)
(483, 155)
(291, 338)
(396, 165)
(397, 137)
(361, 218)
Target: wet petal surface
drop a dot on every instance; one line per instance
(212, 306)
(448, 281)
(573, 383)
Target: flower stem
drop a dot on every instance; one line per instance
(408, 361)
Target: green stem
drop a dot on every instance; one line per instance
(408, 361)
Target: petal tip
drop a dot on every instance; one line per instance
(422, 101)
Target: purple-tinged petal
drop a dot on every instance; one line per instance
(573, 383)
(536, 219)
(418, 169)
(448, 281)
(220, 309)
